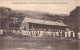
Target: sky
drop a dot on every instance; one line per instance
(51, 6)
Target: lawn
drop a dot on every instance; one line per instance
(38, 43)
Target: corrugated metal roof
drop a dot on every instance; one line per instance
(38, 21)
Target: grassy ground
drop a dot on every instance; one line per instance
(38, 43)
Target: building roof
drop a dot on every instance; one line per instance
(38, 21)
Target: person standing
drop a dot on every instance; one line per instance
(1, 31)
(20, 33)
(71, 34)
(41, 32)
(38, 33)
(66, 34)
(30, 32)
(26, 32)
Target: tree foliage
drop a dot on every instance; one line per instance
(9, 19)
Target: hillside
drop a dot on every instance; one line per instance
(42, 15)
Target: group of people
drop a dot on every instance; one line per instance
(39, 33)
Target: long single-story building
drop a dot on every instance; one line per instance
(41, 27)
(30, 23)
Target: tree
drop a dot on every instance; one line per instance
(4, 17)
(7, 18)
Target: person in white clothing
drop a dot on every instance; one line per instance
(53, 33)
(69, 33)
(1, 31)
(57, 33)
(24, 32)
(61, 33)
(13, 31)
(41, 32)
(38, 33)
(73, 34)
(66, 34)
(44, 32)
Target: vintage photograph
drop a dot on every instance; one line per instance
(39, 25)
